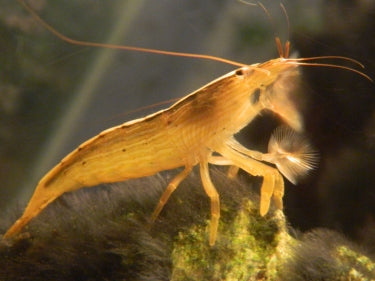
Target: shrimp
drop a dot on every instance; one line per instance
(199, 130)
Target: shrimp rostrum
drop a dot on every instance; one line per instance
(199, 130)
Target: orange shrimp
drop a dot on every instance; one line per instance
(198, 129)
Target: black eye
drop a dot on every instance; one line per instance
(239, 72)
(254, 98)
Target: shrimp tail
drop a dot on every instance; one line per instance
(43, 195)
(291, 153)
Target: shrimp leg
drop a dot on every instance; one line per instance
(219, 160)
(267, 190)
(169, 190)
(240, 148)
(233, 170)
(273, 184)
(215, 201)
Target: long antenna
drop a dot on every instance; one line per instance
(122, 47)
(283, 51)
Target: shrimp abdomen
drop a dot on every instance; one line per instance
(134, 149)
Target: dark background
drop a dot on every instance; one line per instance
(53, 95)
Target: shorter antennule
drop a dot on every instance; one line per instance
(291, 153)
(305, 61)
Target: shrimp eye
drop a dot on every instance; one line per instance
(239, 72)
(254, 97)
(244, 71)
